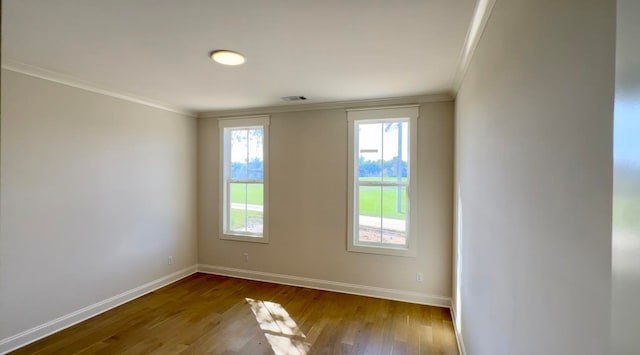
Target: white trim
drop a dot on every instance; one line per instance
(479, 20)
(384, 113)
(29, 336)
(459, 339)
(381, 108)
(344, 105)
(409, 114)
(234, 121)
(64, 79)
(325, 285)
(224, 203)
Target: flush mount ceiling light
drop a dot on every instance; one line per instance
(227, 57)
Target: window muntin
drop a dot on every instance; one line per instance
(382, 145)
(244, 168)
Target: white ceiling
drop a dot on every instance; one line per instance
(326, 50)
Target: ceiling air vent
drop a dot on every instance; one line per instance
(294, 98)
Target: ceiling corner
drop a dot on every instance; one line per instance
(479, 20)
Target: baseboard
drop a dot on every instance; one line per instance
(354, 289)
(60, 323)
(458, 332)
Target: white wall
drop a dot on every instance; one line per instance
(96, 193)
(625, 297)
(533, 172)
(308, 204)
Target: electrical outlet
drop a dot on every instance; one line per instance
(170, 260)
(246, 257)
(419, 276)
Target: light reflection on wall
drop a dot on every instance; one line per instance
(626, 188)
(625, 308)
(625, 311)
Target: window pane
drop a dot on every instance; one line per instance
(369, 151)
(255, 157)
(394, 212)
(247, 208)
(370, 213)
(238, 212)
(395, 143)
(255, 194)
(239, 153)
(255, 220)
(255, 208)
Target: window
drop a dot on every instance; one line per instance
(244, 178)
(382, 151)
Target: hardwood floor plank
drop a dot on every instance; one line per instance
(209, 314)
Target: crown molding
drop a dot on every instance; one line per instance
(479, 20)
(64, 79)
(354, 104)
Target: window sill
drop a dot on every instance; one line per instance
(245, 238)
(411, 253)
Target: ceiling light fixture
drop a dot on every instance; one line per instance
(227, 57)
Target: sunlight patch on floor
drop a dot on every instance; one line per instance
(281, 331)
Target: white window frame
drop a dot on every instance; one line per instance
(225, 124)
(372, 115)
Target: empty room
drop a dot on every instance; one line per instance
(320, 177)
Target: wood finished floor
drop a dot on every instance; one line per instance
(208, 314)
